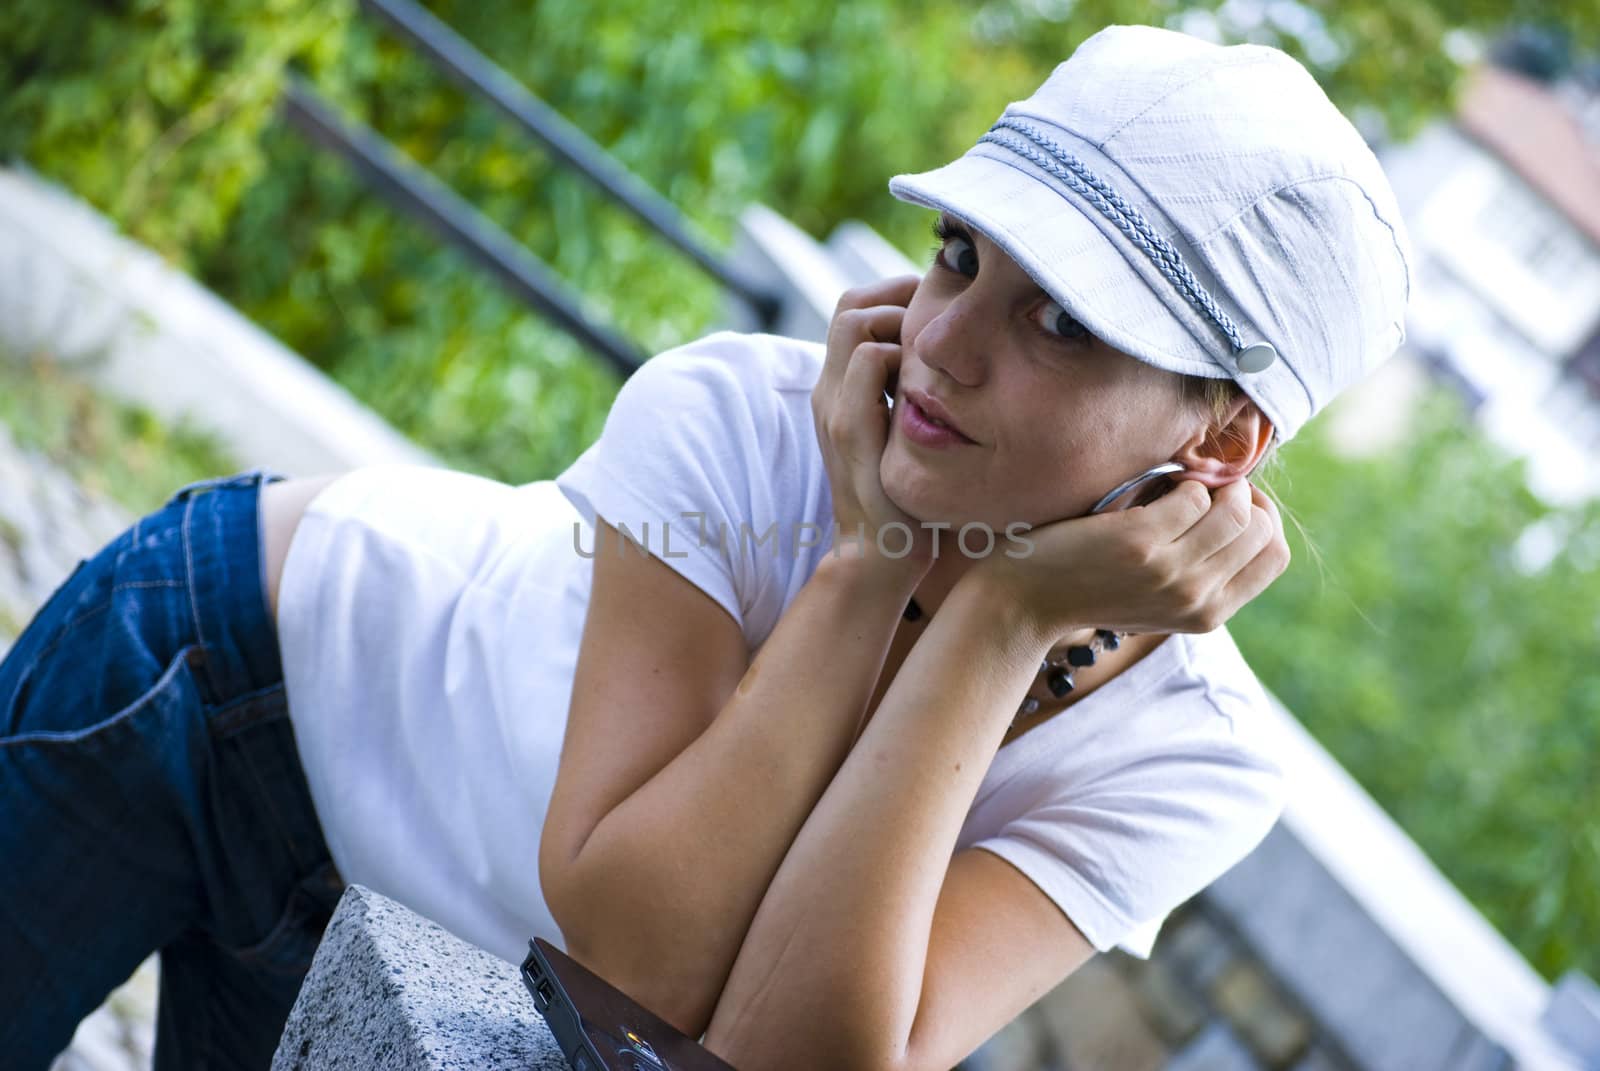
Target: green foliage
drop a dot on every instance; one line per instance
(113, 448)
(735, 105)
(152, 110)
(1441, 676)
(1457, 687)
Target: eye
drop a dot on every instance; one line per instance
(958, 255)
(955, 251)
(1059, 323)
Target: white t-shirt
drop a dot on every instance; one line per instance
(429, 623)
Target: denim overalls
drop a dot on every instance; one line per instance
(151, 796)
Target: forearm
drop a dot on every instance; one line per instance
(841, 936)
(662, 892)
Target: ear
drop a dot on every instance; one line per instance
(1218, 455)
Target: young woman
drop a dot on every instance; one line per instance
(888, 730)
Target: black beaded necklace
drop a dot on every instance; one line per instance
(1057, 668)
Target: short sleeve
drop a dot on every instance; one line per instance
(1118, 854)
(672, 468)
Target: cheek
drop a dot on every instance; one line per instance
(1084, 432)
(1145, 431)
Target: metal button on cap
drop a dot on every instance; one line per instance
(1256, 358)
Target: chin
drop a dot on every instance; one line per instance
(929, 501)
(917, 510)
(914, 504)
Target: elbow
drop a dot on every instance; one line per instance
(613, 955)
(636, 941)
(680, 1006)
(613, 946)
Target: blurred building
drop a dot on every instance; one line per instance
(1503, 205)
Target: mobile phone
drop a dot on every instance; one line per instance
(1149, 485)
(601, 1028)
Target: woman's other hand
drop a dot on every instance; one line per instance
(853, 420)
(1184, 563)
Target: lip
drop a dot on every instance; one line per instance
(931, 407)
(917, 428)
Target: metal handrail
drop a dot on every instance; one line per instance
(413, 189)
(461, 61)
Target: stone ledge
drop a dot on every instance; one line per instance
(391, 991)
(73, 287)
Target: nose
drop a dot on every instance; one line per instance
(957, 339)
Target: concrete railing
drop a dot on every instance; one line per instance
(390, 990)
(74, 290)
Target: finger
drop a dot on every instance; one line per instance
(1174, 513)
(1224, 521)
(1231, 560)
(876, 323)
(1265, 501)
(1257, 575)
(850, 327)
(896, 290)
(861, 405)
(1262, 501)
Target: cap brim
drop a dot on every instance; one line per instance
(1065, 252)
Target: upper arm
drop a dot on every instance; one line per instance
(997, 945)
(657, 661)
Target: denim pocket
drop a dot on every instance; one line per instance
(173, 690)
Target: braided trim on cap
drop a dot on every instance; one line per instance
(1128, 219)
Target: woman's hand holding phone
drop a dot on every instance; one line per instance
(1183, 563)
(852, 418)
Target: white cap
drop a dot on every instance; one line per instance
(1203, 208)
